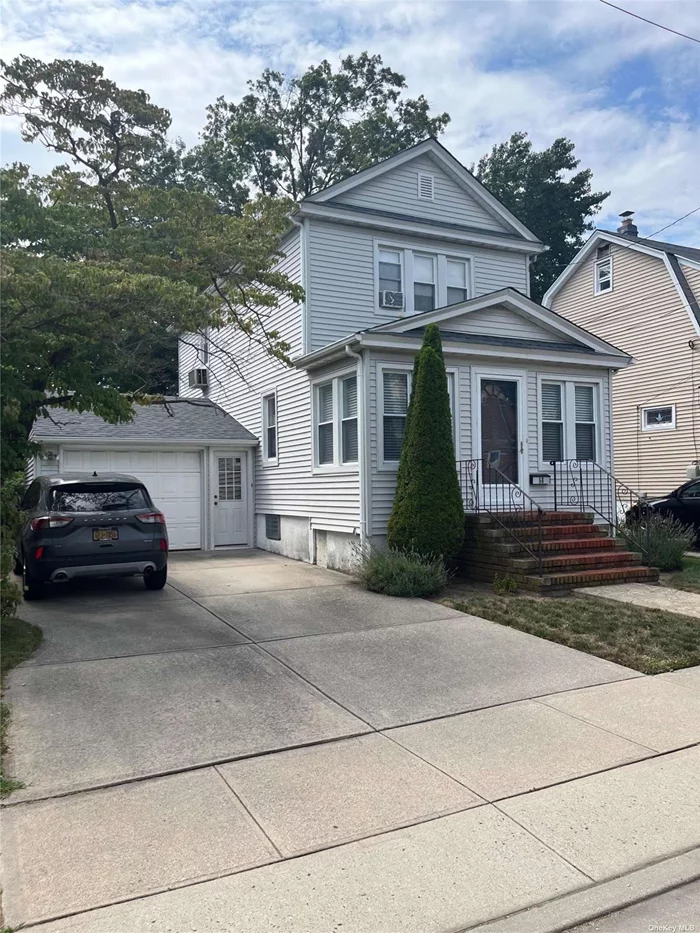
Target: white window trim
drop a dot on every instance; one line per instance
(391, 466)
(596, 284)
(270, 461)
(651, 428)
(407, 251)
(421, 176)
(568, 384)
(337, 466)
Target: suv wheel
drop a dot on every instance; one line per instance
(32, 587)
(156, 579)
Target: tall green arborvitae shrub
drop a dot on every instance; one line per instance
(428, 517)
(431, 338)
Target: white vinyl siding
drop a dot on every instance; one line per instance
(396, 192)
(343, 288)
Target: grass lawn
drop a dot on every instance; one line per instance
(647, 640)
(18, 641)
(688, 578)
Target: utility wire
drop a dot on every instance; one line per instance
(673, 224)
(651, 22)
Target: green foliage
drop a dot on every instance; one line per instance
(427, 516)
(545, 192)
(504, 584)
(18, 641)
(401, 573)
(102, 272)
(11, 517)
(663, 543)
(294, 135)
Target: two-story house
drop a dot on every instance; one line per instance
(308, 467)
(643, 295)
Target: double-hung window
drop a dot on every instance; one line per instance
(396, 393)
(424, 285)
(569, 419)
(457, 279)
(336, 418)
(603, 276)
(270, 427)
(390, 277)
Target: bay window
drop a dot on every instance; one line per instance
(569, 421)
(336, 422)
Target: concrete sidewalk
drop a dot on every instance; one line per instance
(648, 597)
(310, 757)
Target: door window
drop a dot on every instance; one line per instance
(230, 486)
(499, 430)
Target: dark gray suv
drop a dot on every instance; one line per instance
(90, 525)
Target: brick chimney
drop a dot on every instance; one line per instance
(627, 228)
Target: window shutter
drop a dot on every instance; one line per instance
(551, 403)
(584, 403)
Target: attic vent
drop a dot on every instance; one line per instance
(426, 187)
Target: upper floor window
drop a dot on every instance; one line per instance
(270, 427)
(659, 418)
(603, 275)
(411, 282)
(336, 426)
(423, 283)
(426, 186)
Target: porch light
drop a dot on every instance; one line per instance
(540, 479)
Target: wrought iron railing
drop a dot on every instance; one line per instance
(589, 487)
(486, 489)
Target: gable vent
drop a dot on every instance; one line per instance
(426, 187)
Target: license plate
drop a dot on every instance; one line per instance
(105, 534)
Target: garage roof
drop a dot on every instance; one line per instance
(172, 420)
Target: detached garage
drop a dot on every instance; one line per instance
(195, 460)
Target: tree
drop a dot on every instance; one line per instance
(540, 189)
(427, 516)
(296, 135)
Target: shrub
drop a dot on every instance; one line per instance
(10, 495)
(504, 584)
(668, 540)
(401, 573)
(427, 516)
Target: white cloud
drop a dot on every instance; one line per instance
(551, 68)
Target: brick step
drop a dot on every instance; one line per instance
(637, 574)
(509, 547)
(575, 561)
(559, 531)
(528, 516)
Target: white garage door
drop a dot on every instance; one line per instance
(173, 478)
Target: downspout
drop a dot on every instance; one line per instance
(361, 438)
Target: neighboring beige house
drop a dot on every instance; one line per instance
(643, 296)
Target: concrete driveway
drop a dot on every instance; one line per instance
(312, 752)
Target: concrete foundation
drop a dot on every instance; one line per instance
(294, 537)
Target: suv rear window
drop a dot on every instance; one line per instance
(98, 497)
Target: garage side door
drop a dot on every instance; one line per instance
(173, 478)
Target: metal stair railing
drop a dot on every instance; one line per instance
(502, 496)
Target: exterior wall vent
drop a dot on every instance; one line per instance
(273, 529)
(426, 187)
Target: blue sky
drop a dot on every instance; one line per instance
(626, 93)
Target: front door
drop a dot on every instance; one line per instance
(230, 500)
(500, 446)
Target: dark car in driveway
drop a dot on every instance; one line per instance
(90, 525)
(683, 504)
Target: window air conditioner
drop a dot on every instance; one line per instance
(199, 378)
(391, 299)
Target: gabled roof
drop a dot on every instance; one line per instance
(668, 253)
(177, 419)
(570, 338)
(461, 175)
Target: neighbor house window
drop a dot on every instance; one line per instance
(457, 278)
(603, 275)
(349, 420)
(423, 283)
(396, 389)
(569, 421)
(324, 422)
(552, 422)
(337, 434)
(270, 427)
(659, 418)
